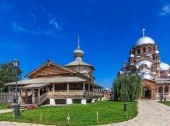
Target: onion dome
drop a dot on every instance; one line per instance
(145, 74)
(157, 52)
(168, 75)
(120, 72)
(144, 40)
(147, 62)
(164, 66)
(132, 55)
(78, 52)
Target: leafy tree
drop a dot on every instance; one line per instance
(129, 87)
(7, 74)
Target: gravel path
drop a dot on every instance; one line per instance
(151, 113)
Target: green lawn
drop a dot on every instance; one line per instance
(166, 103)
(108, 111)
(2, 106)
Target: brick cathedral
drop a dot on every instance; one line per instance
(155, 74)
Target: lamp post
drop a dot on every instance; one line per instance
(126, 75)
(165, 92)
(16, 105)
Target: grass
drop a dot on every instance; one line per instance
(166, 103)
(3, 106)
(108, 111)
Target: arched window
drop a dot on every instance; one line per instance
(144, 49)
(160, 89)
(138, 51)
(133, 52)
(149, 49)
(157, 57)
(144, 67)
(166, 89)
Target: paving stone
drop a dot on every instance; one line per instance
(151, 113)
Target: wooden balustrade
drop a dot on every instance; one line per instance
(8, 97)
(39, 100)
(74, 93)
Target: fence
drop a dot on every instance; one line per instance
(7, 97)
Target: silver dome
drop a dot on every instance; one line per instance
(144, 40)
(132, 55)
(147, 62)
(78, 52)
(121, 72)
(157, 52)
(144, 71)
(164, 66)
(146, 76)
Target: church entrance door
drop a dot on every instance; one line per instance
(147, 93)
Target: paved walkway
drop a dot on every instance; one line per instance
(151, 113)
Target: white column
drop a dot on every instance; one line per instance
(84, 88)
(89, 89)
(26, 96)
(69, 101)
(52, 101)
(68, 87)
(93, 89)
(53, 88)
(33, 96)
(83, 101)
(39, 95)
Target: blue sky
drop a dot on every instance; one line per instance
(34, 31)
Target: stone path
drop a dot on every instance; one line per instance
(151, 113)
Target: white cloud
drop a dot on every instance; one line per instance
(7, 43)
(165, 10)
(18, 28)
(55, 24)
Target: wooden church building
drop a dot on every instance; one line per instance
(54, 84)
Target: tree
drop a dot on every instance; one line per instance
(129, 87)
(7, 74)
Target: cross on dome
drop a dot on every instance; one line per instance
(78, 53)
(78, 40)
(143, 32)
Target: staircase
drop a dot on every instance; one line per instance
(41, 99)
